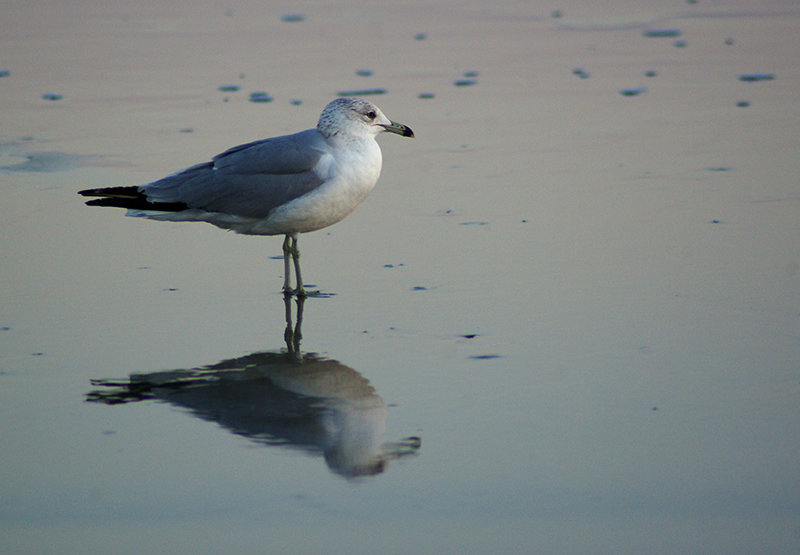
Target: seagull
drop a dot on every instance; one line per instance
(279, 186)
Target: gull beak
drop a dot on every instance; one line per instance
(398, 128)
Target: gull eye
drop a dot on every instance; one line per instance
(371, 115)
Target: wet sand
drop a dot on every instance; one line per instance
(583, 301)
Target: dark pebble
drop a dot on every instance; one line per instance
(752, 77)
(420, 36)
(661, 33)
(362, 92)
(465, 82)
(52, 96)
(260, 96)
(293, 17)
(650, 73)
(229, 88)
(4, 73)
(743, 104)
(484, 357)
(632, 92)
(364, 72)
(425, 95)
(581, 73)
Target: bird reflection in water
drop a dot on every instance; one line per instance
(282, 398)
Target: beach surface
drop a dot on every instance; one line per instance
(567, 319)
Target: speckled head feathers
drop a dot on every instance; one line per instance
(357, 117)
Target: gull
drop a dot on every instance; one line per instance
(278, 186)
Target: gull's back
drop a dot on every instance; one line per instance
(248, 180)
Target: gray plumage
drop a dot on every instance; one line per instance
(272, 172)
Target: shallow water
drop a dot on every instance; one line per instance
(566, 320)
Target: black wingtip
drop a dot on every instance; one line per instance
(128, 197)
(129, 191)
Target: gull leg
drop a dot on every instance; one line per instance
(287, 251)
(298, 334)
(292, 334)
(300, 291)
(288, 332)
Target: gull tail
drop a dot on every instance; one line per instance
(130, 197)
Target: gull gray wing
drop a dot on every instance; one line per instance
(248, 180)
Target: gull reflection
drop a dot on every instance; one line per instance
(282, 398)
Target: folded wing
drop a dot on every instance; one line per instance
(247, 180)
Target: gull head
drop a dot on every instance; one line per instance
(357, 117)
